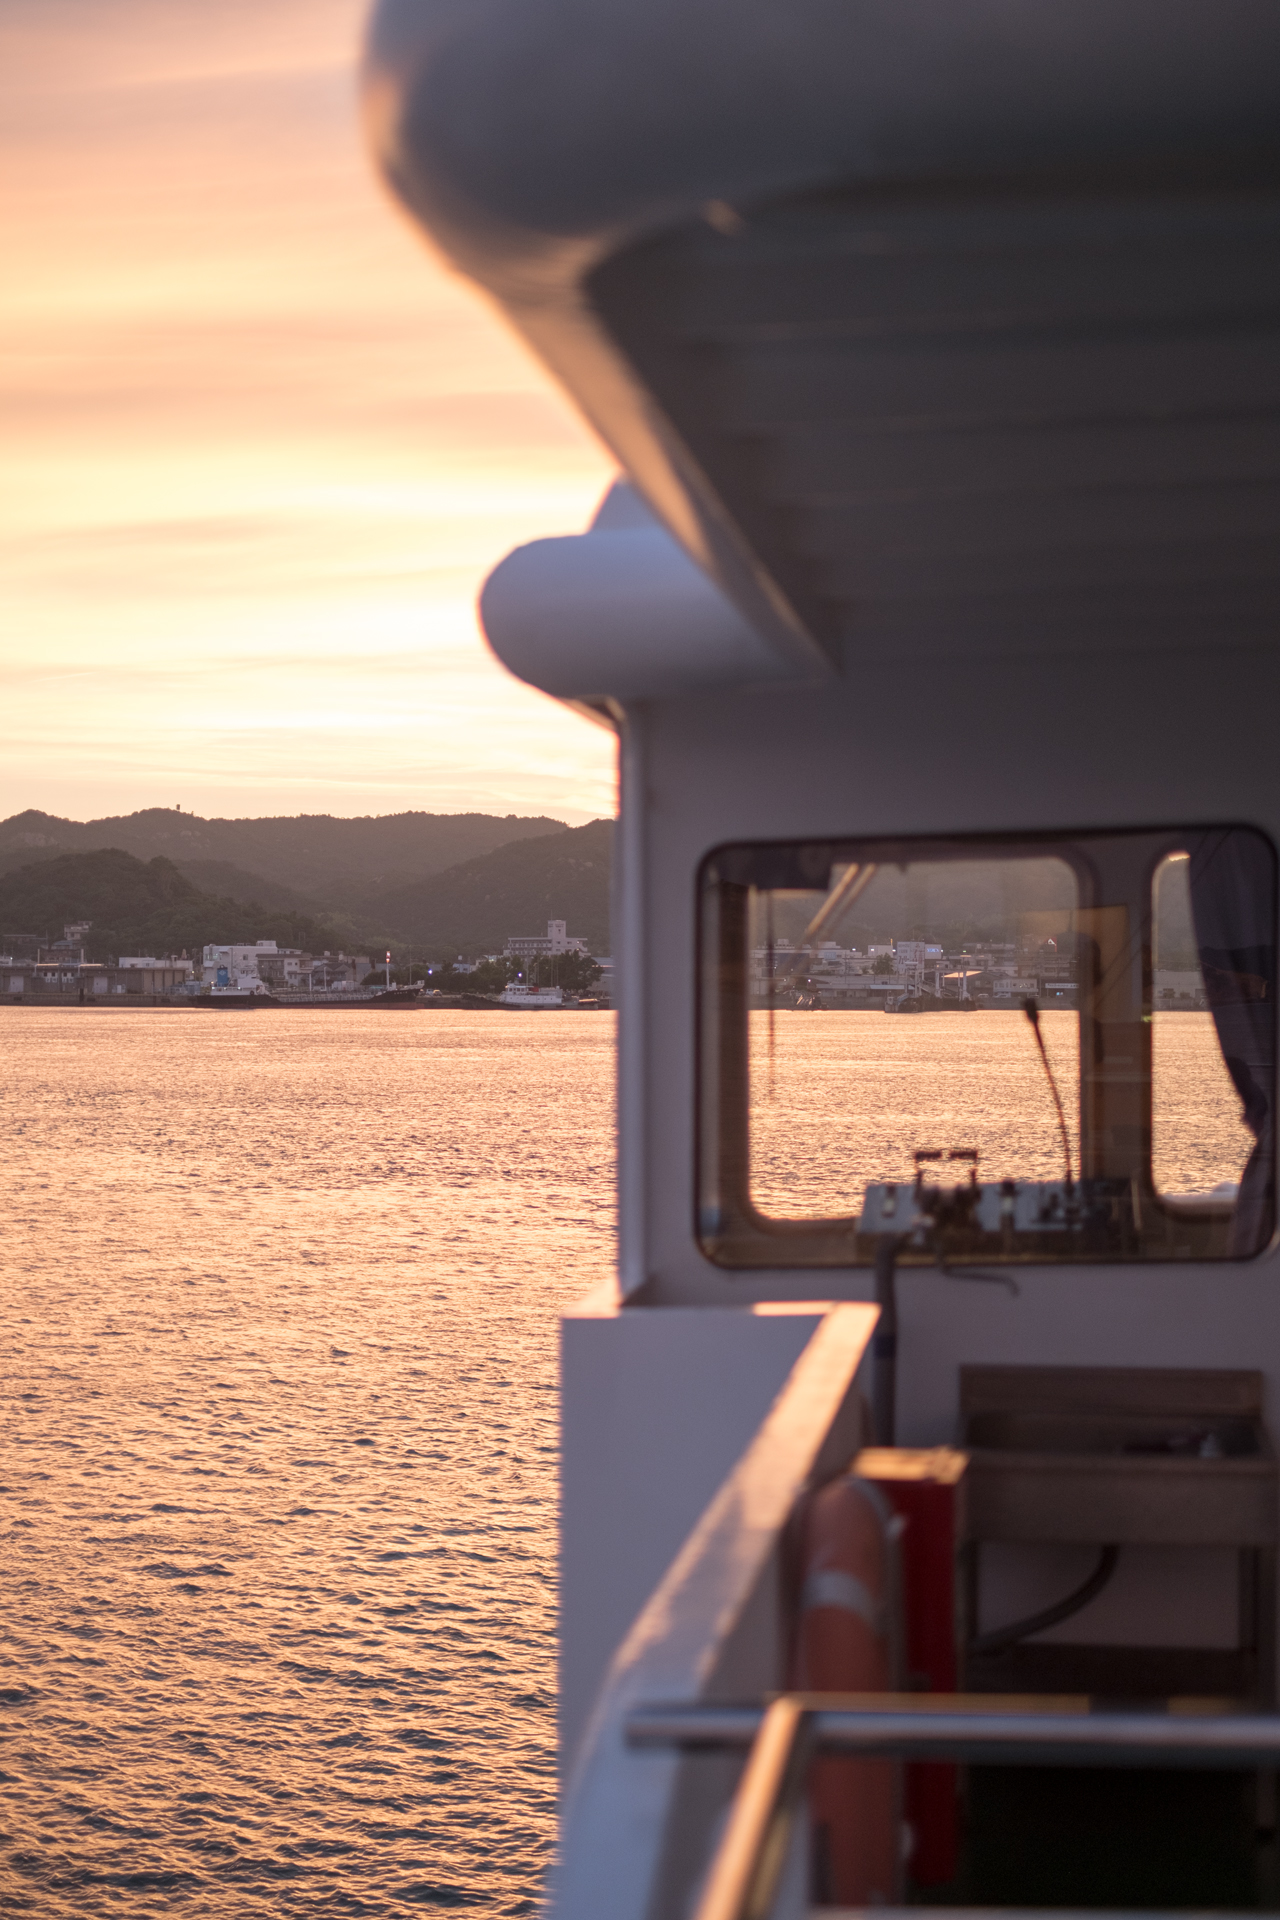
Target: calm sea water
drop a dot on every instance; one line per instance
(278, 1312)
(839, 1099)
(278, 1297)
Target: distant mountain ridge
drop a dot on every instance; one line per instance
(158, 903)
(140, 907)
(230, 882)
(325, 861)
(475, 906)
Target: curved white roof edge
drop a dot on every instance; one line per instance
(532, 135)
(532, 138)
(619, 613)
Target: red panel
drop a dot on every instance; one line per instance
(926, 1490)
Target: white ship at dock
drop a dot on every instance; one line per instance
(531, 999)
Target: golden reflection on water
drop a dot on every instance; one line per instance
(278, 1304)
(850, 1096)
(278, 1308)
(1198, 1137)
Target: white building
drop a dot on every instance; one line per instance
(828, 962)
(1016, 987)
(531, 946)
(183, 967)
(838, 966)
(236, 967)
(915, 953)
(288, 968)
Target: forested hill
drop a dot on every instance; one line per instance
(139, 907)
(473, 907)
(338, 864)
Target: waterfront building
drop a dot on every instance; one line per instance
(1015, 986)
(916, 953)
(60, 953)
(532, 946)
(832, 964)
(330, 973)
(288, 968)
(243, 968)
(138, 976)
(89, 980)
(236, 966)
(180, 966)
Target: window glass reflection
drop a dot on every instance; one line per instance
(1060, 1048)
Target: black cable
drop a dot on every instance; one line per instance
(1001, 1638)
(1005, 1280)
(884, 1343)
(1032, 1012)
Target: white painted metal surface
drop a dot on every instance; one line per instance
(609, 173)
(619, 613)
(943, 340)
(637, 1825)
(656, 1409)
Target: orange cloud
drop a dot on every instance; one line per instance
(262, 449)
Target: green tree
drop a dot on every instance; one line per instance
(574, 972)
(491, 976)
(141, 906)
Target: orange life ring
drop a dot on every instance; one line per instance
(846, 1643)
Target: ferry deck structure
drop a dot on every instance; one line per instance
(937, 347)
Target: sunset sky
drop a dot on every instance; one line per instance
(260, 448)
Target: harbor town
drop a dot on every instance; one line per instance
(917, 974)
(534, 970)
(556, 968)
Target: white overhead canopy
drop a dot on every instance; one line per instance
(940, 325)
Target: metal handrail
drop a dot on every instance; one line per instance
(748, 1864)
(995, 1729)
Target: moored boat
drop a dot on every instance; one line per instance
(531, 999)
(235, 998)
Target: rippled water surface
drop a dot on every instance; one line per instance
(278, 1307)
(842, 1098)
(278, 1311)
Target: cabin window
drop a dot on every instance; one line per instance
(1058, 1048)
